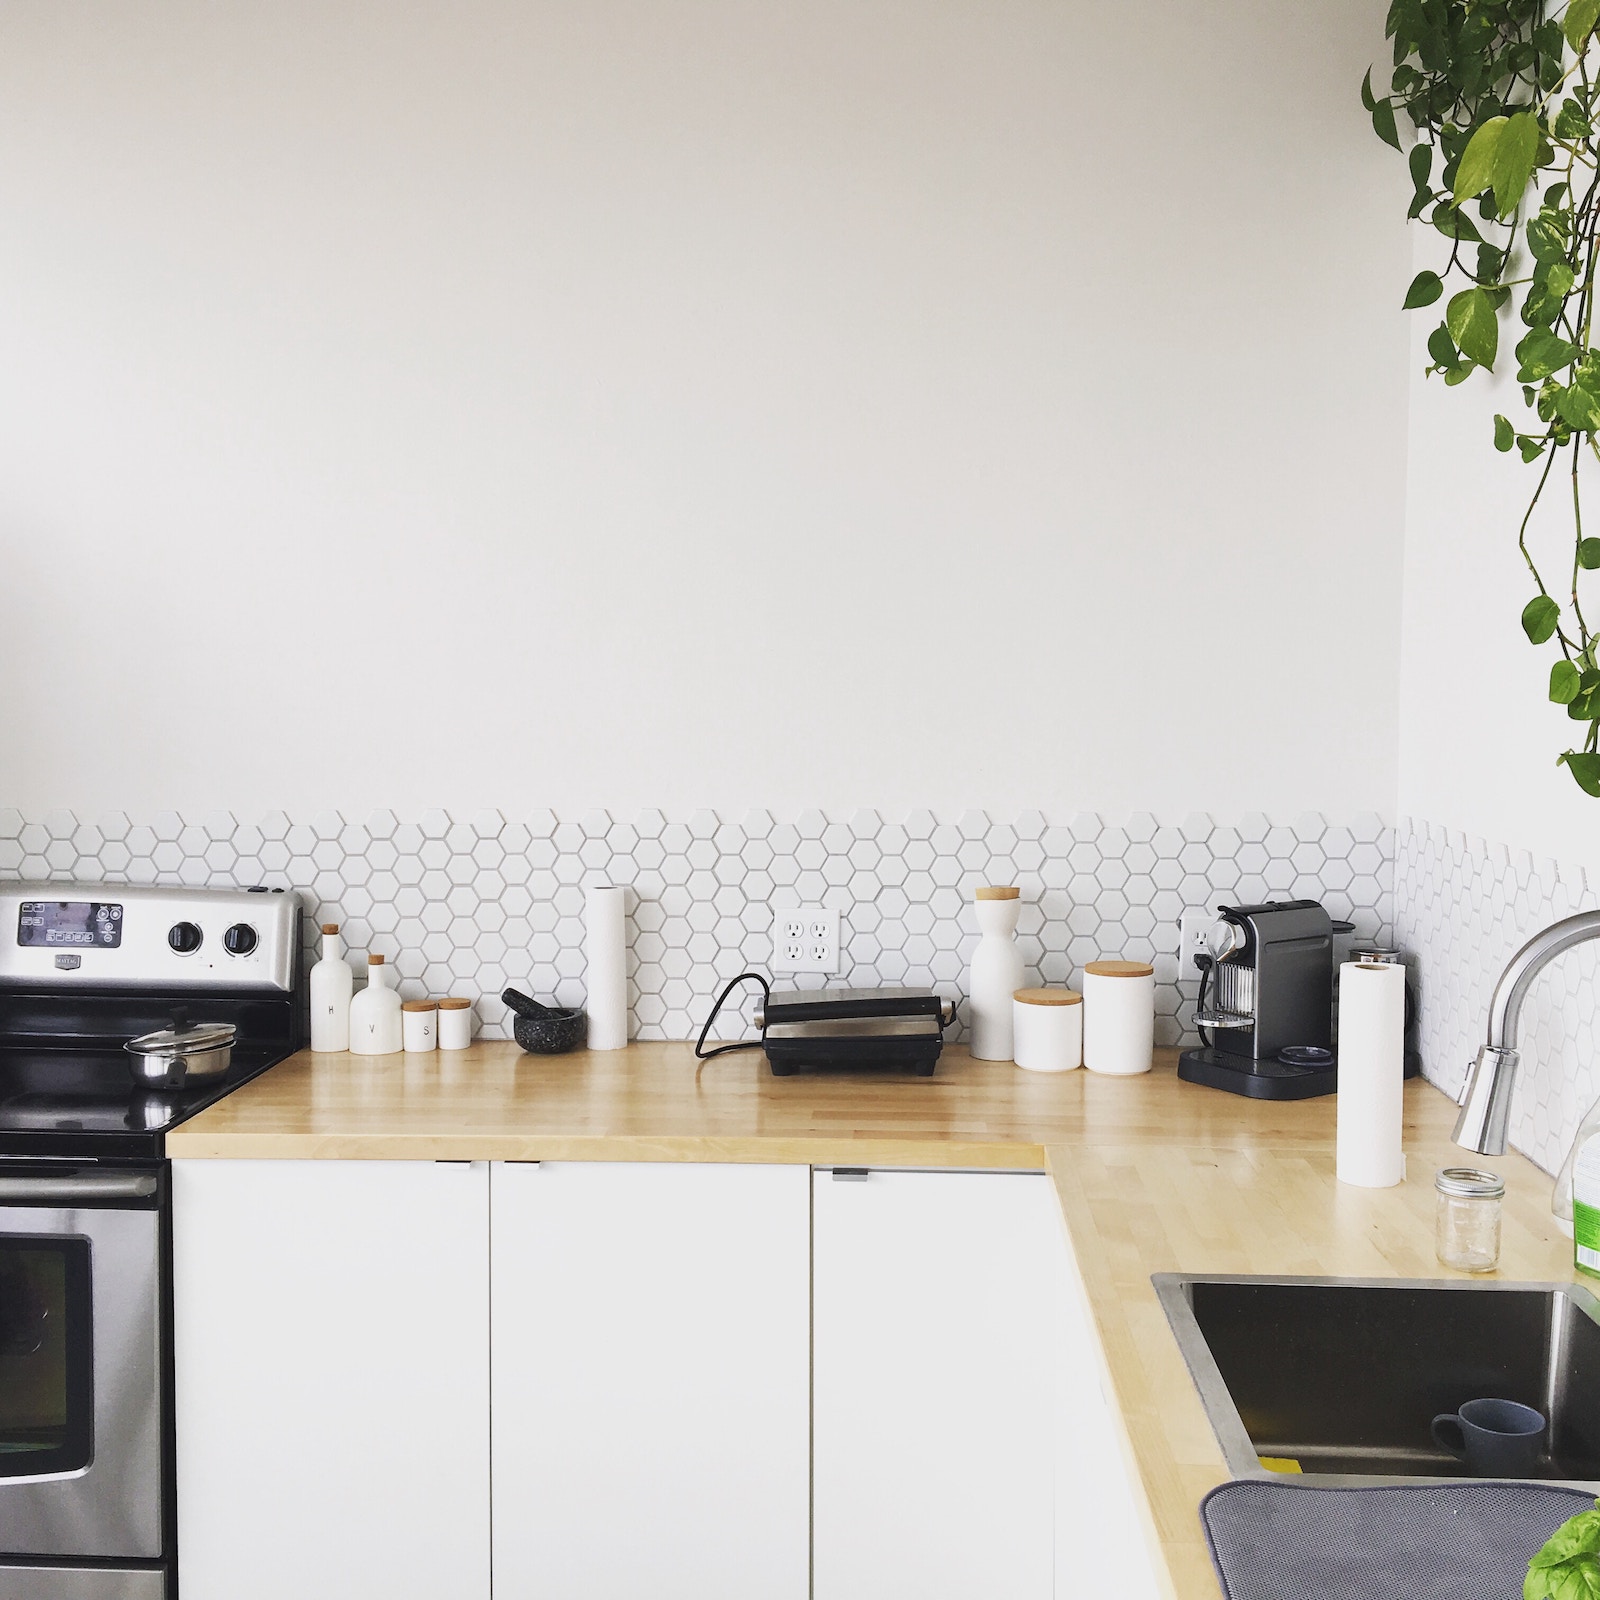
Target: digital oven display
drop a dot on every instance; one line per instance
(69, 924)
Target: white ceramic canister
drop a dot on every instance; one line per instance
(1047, 1029)
(455, 1023)
(419, 1025)
(1119, 1016)
(996, 972)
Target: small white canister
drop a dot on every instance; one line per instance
(1119, 1016)
(455, 1023)
(1047, 1029)
(419, 1025)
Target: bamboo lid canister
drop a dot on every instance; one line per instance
(1047, 1029)
(1119, 1017)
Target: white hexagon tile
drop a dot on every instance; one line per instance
(1463, 908)
(465, 903)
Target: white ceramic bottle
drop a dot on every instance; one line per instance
(375, 1027)
(331, 984)
(996, 973)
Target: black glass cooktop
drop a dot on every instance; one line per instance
(83, 1102)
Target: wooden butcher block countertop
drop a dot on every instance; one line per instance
(1154, 1175)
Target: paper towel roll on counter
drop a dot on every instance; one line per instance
(606, 977)
(1372, 1066)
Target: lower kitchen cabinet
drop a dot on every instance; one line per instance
(933, 1367)
(651, 1381)
(332, 1379)
(601, 1381)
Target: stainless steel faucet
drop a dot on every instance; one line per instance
(1485, 1097)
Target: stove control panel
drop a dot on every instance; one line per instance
(120, 934)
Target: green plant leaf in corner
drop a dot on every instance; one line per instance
(1579, 22)
(1504, 434)
(1539, 618)
(1564, 682)
(1383, 124)
(1589, 554)
(1566, 1567)
(1473, 325)
(1425, 288)
(1367, 98)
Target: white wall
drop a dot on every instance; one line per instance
(1478, 736)
(514, 402)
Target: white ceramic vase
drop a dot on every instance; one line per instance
(996, 973)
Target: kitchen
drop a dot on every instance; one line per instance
(709, 450)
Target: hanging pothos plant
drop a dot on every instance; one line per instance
(1505, 100)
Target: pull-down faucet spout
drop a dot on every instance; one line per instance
(1485, 1097)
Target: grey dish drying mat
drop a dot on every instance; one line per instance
(1466, 1541)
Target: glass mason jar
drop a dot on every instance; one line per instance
(1467, 1229)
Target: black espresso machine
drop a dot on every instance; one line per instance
(1266, 1006)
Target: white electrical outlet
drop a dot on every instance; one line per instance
(1193, 926)
(805, 939)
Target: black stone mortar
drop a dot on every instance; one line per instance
(555, 1031)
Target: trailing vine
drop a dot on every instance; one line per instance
(1506, 166)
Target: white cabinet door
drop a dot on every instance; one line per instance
(1102, 1547)
(934, 1367)
(650, 1381)
(332, 1382)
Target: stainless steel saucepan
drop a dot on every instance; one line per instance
(173, 1058)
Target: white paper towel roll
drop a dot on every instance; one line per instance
(605, 948)
(1372, 1038)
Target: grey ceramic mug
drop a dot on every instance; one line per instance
(1496, 1438)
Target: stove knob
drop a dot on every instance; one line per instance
(184, 937)
(240, 939)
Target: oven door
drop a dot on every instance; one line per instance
(80, 1363)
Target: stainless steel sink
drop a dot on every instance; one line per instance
(1345, 1375)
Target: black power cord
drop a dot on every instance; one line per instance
(701, 1053)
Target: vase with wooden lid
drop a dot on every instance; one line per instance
(996, 972)
(1119, 1016)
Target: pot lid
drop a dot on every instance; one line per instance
(198, 1036)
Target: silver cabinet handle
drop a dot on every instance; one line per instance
(79, 1186)
(849, 1174)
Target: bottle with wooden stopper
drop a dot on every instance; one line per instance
(375, 1026)
(332, 982)
(996, 973)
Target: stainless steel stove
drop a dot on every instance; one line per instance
(86, 1471)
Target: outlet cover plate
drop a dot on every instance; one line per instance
(805, 939)
(1193, 926)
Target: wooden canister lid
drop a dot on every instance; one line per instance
(452, 1003)
(1121, 969)
(419, 1005)
(330, 927)
(374, 961)
(991, 891)
(1048, 997)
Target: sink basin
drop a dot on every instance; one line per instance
(1345, 1376)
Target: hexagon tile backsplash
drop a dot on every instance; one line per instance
(469, 903)
(1463, 908)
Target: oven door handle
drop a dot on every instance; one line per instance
(78, 1186)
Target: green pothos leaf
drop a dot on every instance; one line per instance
(1542, 353)
(1564, 683)
(1473, 325)
(1504, 434)
(1541, 1583)
(1579, 22)
(1589, 554)
(1539, 618)
(1383, 124)
(1530, 447)
(1425, 288)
